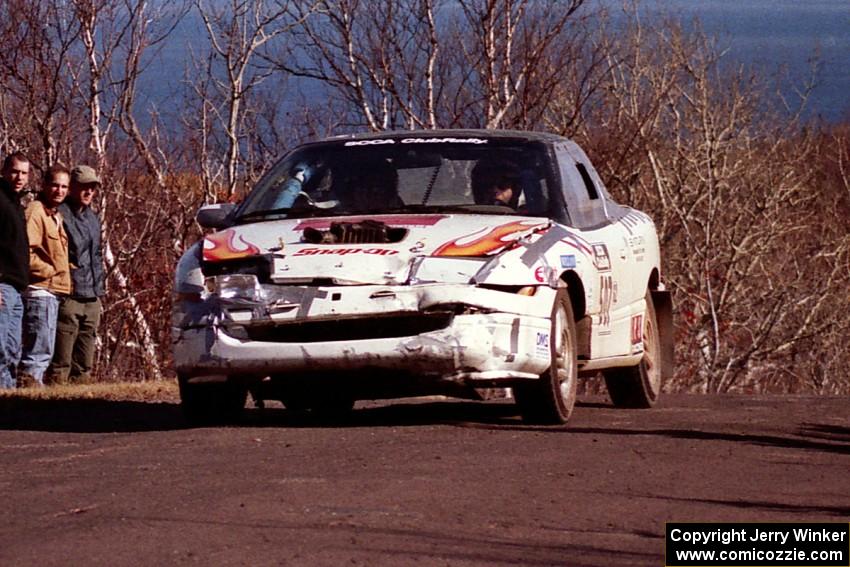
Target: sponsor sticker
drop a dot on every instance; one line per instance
(369, 142)
(606, 297)
(601, 258)
(637, 329)
(542, 344)
(540, 274)
(443, 141)
(345, 251)
(388, 141)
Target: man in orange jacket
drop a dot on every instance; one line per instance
(50, 276)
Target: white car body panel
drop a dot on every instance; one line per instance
(373, 282)
(467, 268)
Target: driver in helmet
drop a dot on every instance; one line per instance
(496, 183)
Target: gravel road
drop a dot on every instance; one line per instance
(429, 483)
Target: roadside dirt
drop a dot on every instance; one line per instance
(91, 482)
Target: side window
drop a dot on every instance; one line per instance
(581, 194)
(588, 182)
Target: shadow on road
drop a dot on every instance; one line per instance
(830, 432)
(104, 416)
(767, 440)
(88, 416)
(502, 414)
(841, 511)
(403, 414)
(451, 546)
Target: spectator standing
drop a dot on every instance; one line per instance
(50, 278)
(79, 313)
(14, 263)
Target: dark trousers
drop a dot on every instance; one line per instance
(76, 333)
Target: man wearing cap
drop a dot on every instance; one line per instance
(50, 278)
(79, 313)
(14, 263)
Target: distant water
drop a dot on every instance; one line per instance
(779, 36)
(771, 35)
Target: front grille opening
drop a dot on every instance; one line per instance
(362, 232)
(353, 329)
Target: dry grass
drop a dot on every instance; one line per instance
(164, 391)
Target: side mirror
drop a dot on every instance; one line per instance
(215, 216)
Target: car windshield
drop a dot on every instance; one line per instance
(474, 175)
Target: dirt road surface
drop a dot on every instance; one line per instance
(436, 483)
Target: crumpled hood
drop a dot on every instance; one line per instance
(367, 263)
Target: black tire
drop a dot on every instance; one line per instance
(212, 402)
(639, 386)
(332, 407)
(550, 399)
(323, 396)
(294, 402)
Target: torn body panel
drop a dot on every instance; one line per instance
(504, 345)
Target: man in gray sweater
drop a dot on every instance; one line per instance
(79, 313)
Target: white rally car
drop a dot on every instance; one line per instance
(417, 263)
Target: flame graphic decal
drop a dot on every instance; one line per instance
(222, 246)
(493, 239)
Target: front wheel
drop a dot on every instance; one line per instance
(639, 386)
(550, 399)
(211, 402)
(332, 408)
(326, 399)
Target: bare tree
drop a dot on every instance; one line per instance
(430, 63)
(238, 31)
(511, 39)
(38, 51)
(731, 187)
(109, 28)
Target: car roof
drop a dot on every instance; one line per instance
(449, 133)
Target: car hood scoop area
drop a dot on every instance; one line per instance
(358, 232)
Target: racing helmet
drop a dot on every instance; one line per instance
(490, 178)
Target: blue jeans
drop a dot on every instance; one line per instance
(11, 314)
(39, 336)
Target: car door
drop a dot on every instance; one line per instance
(586, 200)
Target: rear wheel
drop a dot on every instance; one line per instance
(639, 386)
(550, 399)
(212, 402)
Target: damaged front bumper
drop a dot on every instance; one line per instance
(446, 331)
